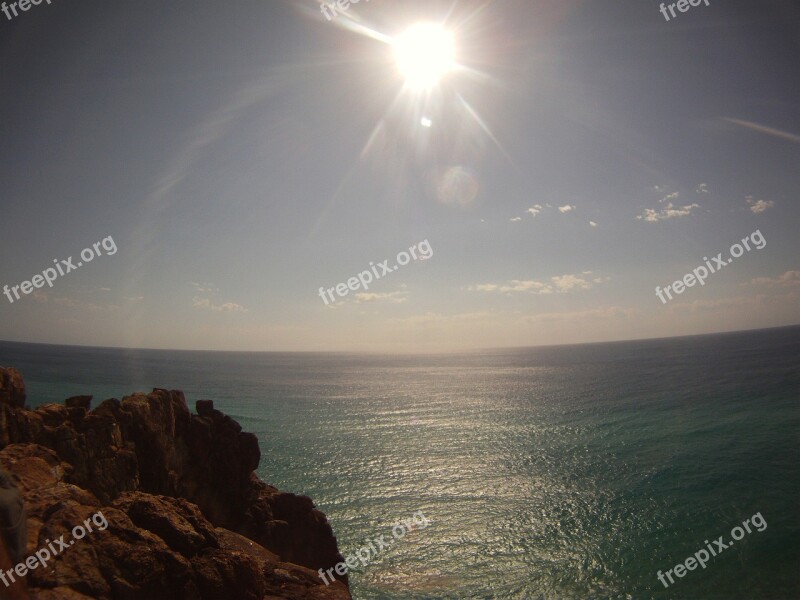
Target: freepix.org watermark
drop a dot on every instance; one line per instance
(366, 553)
(701, 273)
(701, 557)
(50, 274)
(365, 277)
(683, 6)
(41, 556)
(342, 5)
(24, 6)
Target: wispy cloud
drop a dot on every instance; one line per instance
(204, 288)
(484, 287)
(670, 211)
(670, 197)
(431, 318)
(715, 305)
(76, 304)
(787, 279)
(557, 284)
(701, 189)
(534, 210)
(390, 297)
(759, 206)
(206, 304)
(565, 283)
(592, 223)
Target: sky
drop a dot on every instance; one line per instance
(241, 156)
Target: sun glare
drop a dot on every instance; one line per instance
(424, 54)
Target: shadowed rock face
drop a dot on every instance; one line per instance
(188, 518)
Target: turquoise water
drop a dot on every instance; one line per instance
(565, 472)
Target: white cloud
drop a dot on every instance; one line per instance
(532, 286)
(204, 288)
(206, 304)
(484, 287)
(558, 284)
(83, 305)
(516, 219)
(670, 211)
(431, 318)
(592, 223)
(535, 209)
(565, 283)
(715, 305)
(701, 189)
(669, 197)
(759, 206)
(566, 208)
(391, 297)
(787, 279)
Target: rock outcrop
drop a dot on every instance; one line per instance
(187, 516)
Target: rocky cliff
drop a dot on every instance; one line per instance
(187, 516)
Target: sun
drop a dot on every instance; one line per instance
(424, 54)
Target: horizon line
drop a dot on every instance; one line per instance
(398, 353)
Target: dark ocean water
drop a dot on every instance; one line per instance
(562, 472)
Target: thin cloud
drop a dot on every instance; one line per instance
(559, 284)
(670, 211)
(669, 197)
(391, 297)
(592, 223)
(759, 206)
(76, 304)
(787, 279)
(516, 219)
(431, 318)
(204, 288)
(566, 208)
(484, 287)
(534, 210)
(206, 304)
(716, 305)
(701, 189)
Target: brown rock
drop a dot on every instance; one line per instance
(187, 516)
(12, 387)
(79, 402)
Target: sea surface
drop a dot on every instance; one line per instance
(554, 473)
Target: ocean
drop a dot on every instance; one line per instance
(569, 472)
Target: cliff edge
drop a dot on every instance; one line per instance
(187, 516)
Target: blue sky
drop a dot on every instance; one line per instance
(244, 154)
